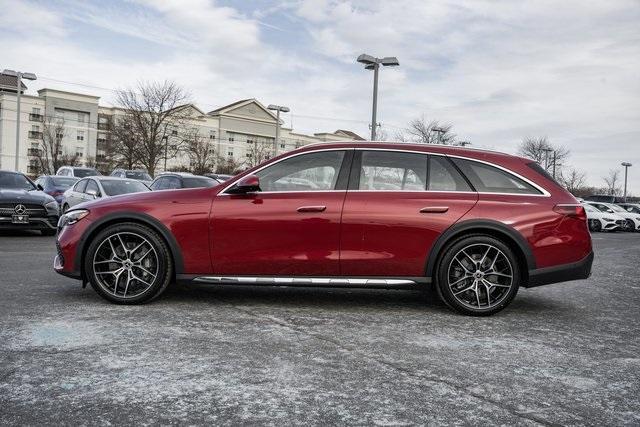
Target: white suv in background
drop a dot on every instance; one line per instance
(602, 221)
(77, 171)
(631, 220)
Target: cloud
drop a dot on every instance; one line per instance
(497, 71)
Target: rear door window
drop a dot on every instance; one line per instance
(489, 179)
(393, 171)
(443, 176)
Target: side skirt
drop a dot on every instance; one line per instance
(329, 282)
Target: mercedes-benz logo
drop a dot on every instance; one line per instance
(20, 209)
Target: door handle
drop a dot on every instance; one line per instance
(434, 209)
(312, 208)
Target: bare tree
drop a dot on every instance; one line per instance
(257, 152)
(432, 132)
(227, 166)
(543, 152)
(201, 152)
(123, 148)
(573, 180)
(155, 112)
(50, 155)
(612, 181)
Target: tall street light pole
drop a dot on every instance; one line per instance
(277, 108)
(373, 63)
(440, 132)
(626, 165)
(19, 75)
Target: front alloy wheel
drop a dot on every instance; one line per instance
(478, 275)
(128, 264)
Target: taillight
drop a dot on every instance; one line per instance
(571, 210)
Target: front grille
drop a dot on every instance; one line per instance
(8, 209)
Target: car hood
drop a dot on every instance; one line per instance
(146, 197)
(23, 196)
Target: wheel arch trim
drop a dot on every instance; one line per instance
(479, 226)
(135, 217)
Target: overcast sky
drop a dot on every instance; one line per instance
(568, 70)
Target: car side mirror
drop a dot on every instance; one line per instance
(248, 184)
(93, 193)
(39, 187)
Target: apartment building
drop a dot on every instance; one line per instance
(235, 130)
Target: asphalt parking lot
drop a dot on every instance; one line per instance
(561, 354)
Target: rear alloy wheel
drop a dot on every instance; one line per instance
(478, 275)
(128, 264)
(595, 225)
(629, 225)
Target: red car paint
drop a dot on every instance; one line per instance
(339, 232)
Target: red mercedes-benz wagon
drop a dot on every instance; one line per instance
(475, 225)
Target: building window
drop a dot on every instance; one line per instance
(282, 146)
(35, 115)
(230, 153)
(59, 135)
(231, 139)
(102, 138)
(35, 128)
(79, 151)
(249, 141)
(249, 155)
(212, 135)
(80, 136)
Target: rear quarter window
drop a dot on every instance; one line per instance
(490, 179)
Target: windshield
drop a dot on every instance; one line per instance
(113, 187)
(200, 181)
(81, 173)
(15, 181)
(142, 176)
(617, 208)
(63, 181)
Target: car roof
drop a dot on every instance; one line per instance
(453, 150)
(107, 178)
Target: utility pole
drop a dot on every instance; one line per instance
(440, 132)
(371, 63)
(19, 75)
(554, 163)
(626, 165)
(277, 108)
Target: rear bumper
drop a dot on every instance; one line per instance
(561, 273)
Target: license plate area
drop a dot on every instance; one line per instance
(20, 219)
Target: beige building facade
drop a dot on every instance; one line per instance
(235, 130)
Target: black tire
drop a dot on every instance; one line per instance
(48, 232)
(503, 292)
(595, 225)
(629, 225)
(163, 265)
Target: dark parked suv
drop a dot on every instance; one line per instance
(24, 206)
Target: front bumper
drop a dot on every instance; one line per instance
(42, 223)
(562, 273)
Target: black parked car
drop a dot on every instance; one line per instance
(24, 206)
(175, 180)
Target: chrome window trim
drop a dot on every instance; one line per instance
(545, 193)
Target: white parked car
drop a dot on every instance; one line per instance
(95, 187)
(631, 220)
(602, 221)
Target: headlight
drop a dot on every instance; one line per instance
(72, 217)
(52, 206)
